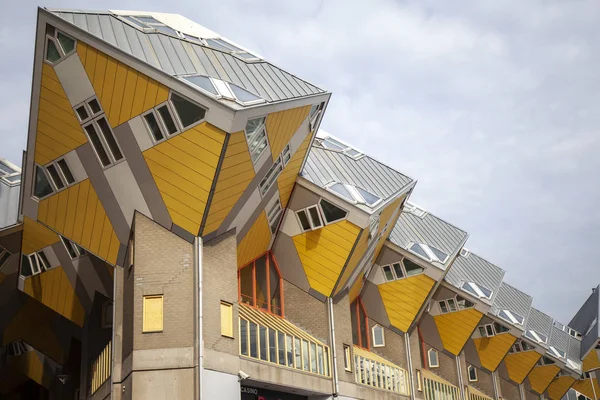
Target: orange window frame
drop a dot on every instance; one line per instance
(360, 304)
(252, 264)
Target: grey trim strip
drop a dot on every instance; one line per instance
(182, 233)
(348, 260)
(214, 184)
(256, 212)
(317, 295)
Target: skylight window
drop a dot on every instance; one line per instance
(222, 45)
(477, 290)
(428, 252)
(147, 22)
(574, 365)
(557, 352)
(511, 317)
(9, 173)
(535, 336)
(315, 112)
(354, 194)
(415, 210)
(336, 145)
(58, 45)
(223, 90)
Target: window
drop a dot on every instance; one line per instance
(337, 145)
(271, 176)
(477, 290)
(544, 361)
(454, 304)
(464, 252)
(274, 213)
(489, 330)
(87, 110)
(498, 328)
(147, 22)
(573, 333)
(222, 45)
(4, 256)
(379, 374)
(511, 317)
(16, 348)
(261, 285)
(315, 112)
(353, 194)
(428, 252)
(557, 352)
(520, 346)
(60, 174)
(378, 336)
(58, 45)
(9, 173)
(574, 365)
(404, 268)
(103, 141)
(107, 314)
(226, 319)
(360, 324)
(432, 357)
(74, 250)
(347, 358)
(309, 218)
(223, 90)
(152, 314)
(463, 303)
(535, 336)
(472, 372)
(256, 137)
(34, 264)
(41, 186)
(331, 212)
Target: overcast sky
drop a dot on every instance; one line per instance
(491, 105)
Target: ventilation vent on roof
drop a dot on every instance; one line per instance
(465, 252)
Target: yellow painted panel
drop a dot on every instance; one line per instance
(519, 365)
(123, 92)
(591, 361)
(559, 387)
(456, 328)
(493, 349)
(48, 287)
(226, 319)
(356, 288)
(404, 298)
(287, 178)
(282, 125)
(256, 241)
(235, 175)
(81, 218)
(541, 376)
(153, 314)
(584, 386)
(30, 365)
(58, 130)
(324, 253)
(183, 168)
(36, 236)
(355, 257)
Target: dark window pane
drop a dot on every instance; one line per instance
(411, 268)
(42, 186)
(264, 355)
(243, 337)
(67, 44)
(70, 248)
(364, 335)
(97, 144)
(262, 293)
(3, 258)
(272, 346)
(95, 106)
(188, 112)
(202, 82)
(52, 53)
(50, 30)
(387, 270)
(275, 290)
(304, 220)
(246, 285)
(242, 94)
(500, 328)
(55, 176)
(253, 340)
(64, 168)
(290, 350)
(305, 356)
(315, 217)
(165, 114)
(43, 260)
(110, 139)
(398, 270)
(25, 266)
(281, 347)
(332, 212)
(82, 113)
(489, 330)
(153, 126)
(298, 353)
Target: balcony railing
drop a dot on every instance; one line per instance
(435, 388)
(101, 368)
(372, 370)
(474, 394)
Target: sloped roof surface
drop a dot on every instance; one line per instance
(512, 299)
(473, 268)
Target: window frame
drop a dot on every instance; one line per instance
(427, 249)
(4, 176)
(274, 213)
(103, 142)
(267, 182)
(347, 358)
(4, 256)
(226, 312)
(469, 369)
(344, 147)
(382, 335)
(357, 198)
(148, 329)
(476, 290)
(54, 38)
(311, 222)
(45, 172)
(252, 264)
(322, 199)
(224, 90)
(533, 335)
(403, 269)
(162, 126)
(510, 317)
(456, 301)
(76, 248)
(437, 358)
(61, 174)
(256, 133)
(360, 306)
(104, 324)
(37, 263)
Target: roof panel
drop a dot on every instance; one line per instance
(473, 268)
(512, 299)
(161, 54)
(120, 36)
(183, 56)
(539, 322)
(134, 42)
(107, 31)
(81, 21)
(93, 24)
(171, 54)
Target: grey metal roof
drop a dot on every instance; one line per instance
(430, 230)
(559, 339)
(512, 299)
(177, 56)
(539, 322)
(473, 268)
(324, 166)
(574, 349)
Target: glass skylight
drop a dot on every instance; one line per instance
(336, 145)
(511, 317)
(573, 364)
(151, 23)
(557, 352)
(354, 194)
(428, 252)
(535, 336)
(415, 210)
(223, 90)
(9, 173)
(222, 45)
(477, 290)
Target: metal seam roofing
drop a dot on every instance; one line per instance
(539, 322)
(177, 56)
(474, 268)
(512, 299)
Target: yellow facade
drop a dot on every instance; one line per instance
(123, 92)
(519, 365)
(541, 376)
(287, 178)
(559, 387)
(256, 241)
(324, 253)
(36, 236)
(584, 386)
(357, 253)
(78, 214)
(184, 168)
(404, 298)
(31, 365)
(492, 350)
(282, 125)
(456, 328)
(54, 290)
(235, 175)
(58, 129)
(591, 361)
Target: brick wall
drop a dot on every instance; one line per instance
(394, 350)
(531, 395)
(415, 351)
(509, 391)
(306, 312)
(447, 366)
(343, 336)
(484, 382)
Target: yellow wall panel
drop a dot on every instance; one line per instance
(287, 178)
(324, 252)
(53, 289)
(235, 175)
(356, 288)
(33, 324)
(77, 214)
(58, 130)
(559, 387)
(31, 365)
(36, 236)
(456, 328)
(541, 376)
(256, 241)
(584, 386)
(282, 125)
(357, 253)
(184, 168)
(123, 92)
(591, 361)
(519, 365)
(404, 298)
(390, 214)
(492, 350)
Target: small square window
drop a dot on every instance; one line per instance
(95, 106)
(303, 218)
(378, 336)
(387, 272)
(443, 307)
(107, 314)
(432, 357)
(398, 270)
(152, 314)
(472, 373)
(226, 319)
(315, 217)
(451, 305)
(347, 358)
(489, 330)
(82, 113)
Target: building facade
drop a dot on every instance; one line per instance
(182, 229)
